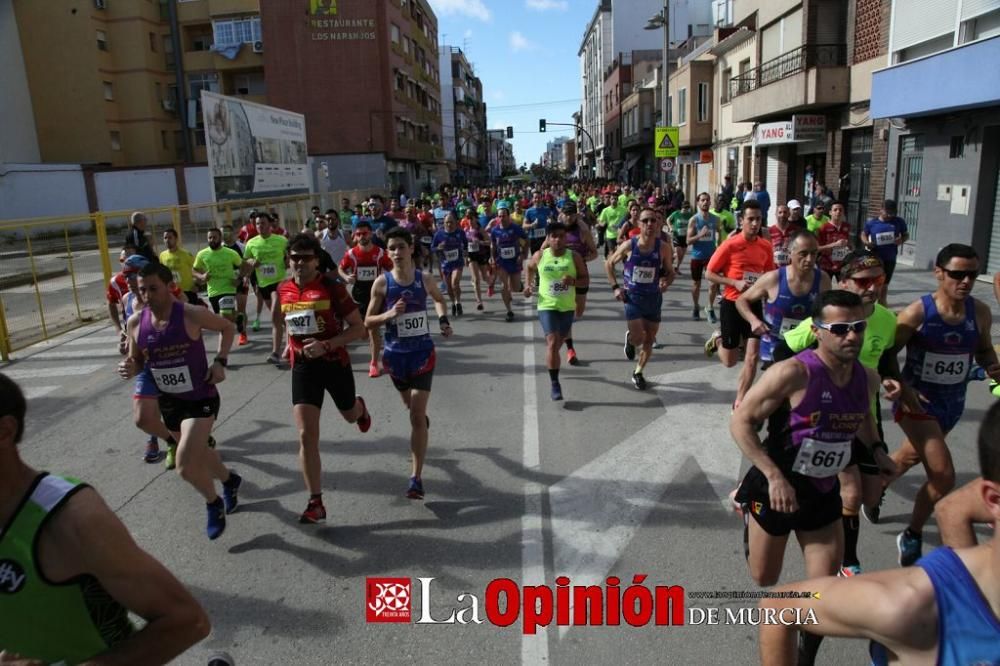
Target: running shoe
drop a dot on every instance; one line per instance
(629, 348)
(639, 381)
(459, 307)
(910, 548)
(255, 325)
(216, 524)
(490, 291)
(657, 345)
(711, 344)
(872, 514)
(696, 314)
(850, 571)
(244, 339)
(274, 359)
(479, 306)
(454, 310)
(230, 490)
(556, 391)
(152, 454)
(415, 490)
(365, 420)
(509, 316)
(315, 513)
(712, 319)
(373, 370)
(571, 357)
(170, 460)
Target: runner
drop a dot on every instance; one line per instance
(359, 268)
(449, 243)
(331, 236)
(579, 239)
(536, 219)
(610, 219)
(834, 240)
(75, 571)
(793, 485)
(321, 320)
(478, 257)
(817, 218)
(780, 234)
(166, 337)
(505, 256)
(265, 255)
(942, 333)
(139, 238)
(117, 288)
(678, 221)
(558, 269)
(629, 226)
(399, 300)
(703, 237)
(648, 273)
(737, 264)
(884, 235)
(943, 611)
(180, 262)
(242, 285)
(218, 267)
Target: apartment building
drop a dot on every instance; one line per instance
(463, 118)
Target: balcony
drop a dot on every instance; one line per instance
(195, 61)
(643, 137)
(811, 76)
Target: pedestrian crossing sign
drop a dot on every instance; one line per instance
(666, 139)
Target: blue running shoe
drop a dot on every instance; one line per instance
(230, 488)
(556, 391)
(910, 548)
(216, 519)
(416, 489)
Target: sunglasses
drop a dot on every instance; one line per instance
(362, 234)
(647, 220)
(867, 282)
(842, 328)
(301, 257)
(958, 276)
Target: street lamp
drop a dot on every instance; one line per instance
(662, 22)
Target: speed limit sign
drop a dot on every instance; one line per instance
(666, 165)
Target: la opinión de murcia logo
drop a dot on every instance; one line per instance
(387, 599)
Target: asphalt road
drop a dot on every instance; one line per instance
(609, 482)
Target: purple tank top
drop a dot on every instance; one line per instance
(177, 362)
(574, 240)
(824, 424)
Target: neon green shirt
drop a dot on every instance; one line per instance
(813, 223)
(610, 218)
(220, 265)
(592, 202)
(728, 223)
(180, 262)
(270, 253)
(552, 293)
(879, 336)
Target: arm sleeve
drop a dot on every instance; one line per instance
(801, 337)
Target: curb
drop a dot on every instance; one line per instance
(21, 280)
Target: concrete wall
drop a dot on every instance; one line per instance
(199, 184)
(133, 190)
(41, 190)
(354, 172)
(18, 138)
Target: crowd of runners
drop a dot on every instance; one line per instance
(800, 302)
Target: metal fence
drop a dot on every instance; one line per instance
(54, 272)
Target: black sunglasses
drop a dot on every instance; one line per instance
(958, 276)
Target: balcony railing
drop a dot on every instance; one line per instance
(787, 64)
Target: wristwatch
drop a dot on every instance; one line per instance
(224, 362)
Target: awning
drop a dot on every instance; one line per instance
(632, 161)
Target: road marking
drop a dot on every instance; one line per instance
(597, 510)
(534, 649)
(32, 392)
(77, 353)
(94, 340)
(22, 374)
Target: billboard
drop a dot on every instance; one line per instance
(253, 150)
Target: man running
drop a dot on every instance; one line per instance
(942, 611)
(678, 222)
(242, 284)
(321, 319)
(536, 219)
(942, 333)
(780, 234)
(737, 264)
(265, 256)
(609, 220)
(73, 573)
(558, 270)
(218, 267)
(648, 273)
(166, 337)
(834, 240)
(180, 262)
(884, 235)
(703, 237)
(449, 243)
(399, 300)
(360, 267)
(505, 256)
(579, 239)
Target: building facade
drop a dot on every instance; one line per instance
(463, 118)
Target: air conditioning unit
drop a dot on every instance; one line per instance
(101, 4)
(258, 47)
(168, 105)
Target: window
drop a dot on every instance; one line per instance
(957, 149)
(394, 33)
(727, 76)
(164, 140)
(682, 114)
(116, 140)
(197, 83)
(109, 91)
(237, 31)
(102, 40)
(249, 84)
(406, 45)
(168, 52)
(702, 102)
(400, 80)
(157, 92)
(153, 42)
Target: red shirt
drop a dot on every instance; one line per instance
(832, 259)
(357, 257)
(779, 241)
(426, 219)
(317, 310)
(740, 259)
(248, 231)
(117, 288)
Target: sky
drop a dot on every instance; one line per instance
(525, 53)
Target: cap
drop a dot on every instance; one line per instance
(794, 203)
(503, 206)
(134, 263)
(651, 200)
(569, 207)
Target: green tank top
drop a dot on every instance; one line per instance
(66, 622)
(552, 293)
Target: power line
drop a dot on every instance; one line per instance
(529, 104)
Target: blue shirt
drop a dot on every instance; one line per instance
(882, 236)
(507, 242)
(541, 215)
(382, 224)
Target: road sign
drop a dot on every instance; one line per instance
(666, 140)
(666, 165)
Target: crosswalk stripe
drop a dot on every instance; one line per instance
(32, 392)
(76, 353)
(21, 374)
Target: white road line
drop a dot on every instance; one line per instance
(76, 353)
(94, 340)
(32, 392)
(22, 374)
(534, 649)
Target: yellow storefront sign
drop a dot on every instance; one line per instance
(665, 141)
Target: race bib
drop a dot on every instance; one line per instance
(366, 273)
(643, 274)
(538, 232)
(267, 271)
(946, 369)
(473, 246)
(508, 252)
(451, 255)
(840, 253)
(557, 288)
(227, 303)
(885, 238)
(426, 240)
(821, 460)
(750, 278)
(411, 324)
(781, 257)
(173, 380)
(301, 322)
(787, 324)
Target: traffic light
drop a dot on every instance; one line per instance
(510, 132)
(541, 124)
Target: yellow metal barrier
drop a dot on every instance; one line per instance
(54, 272)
